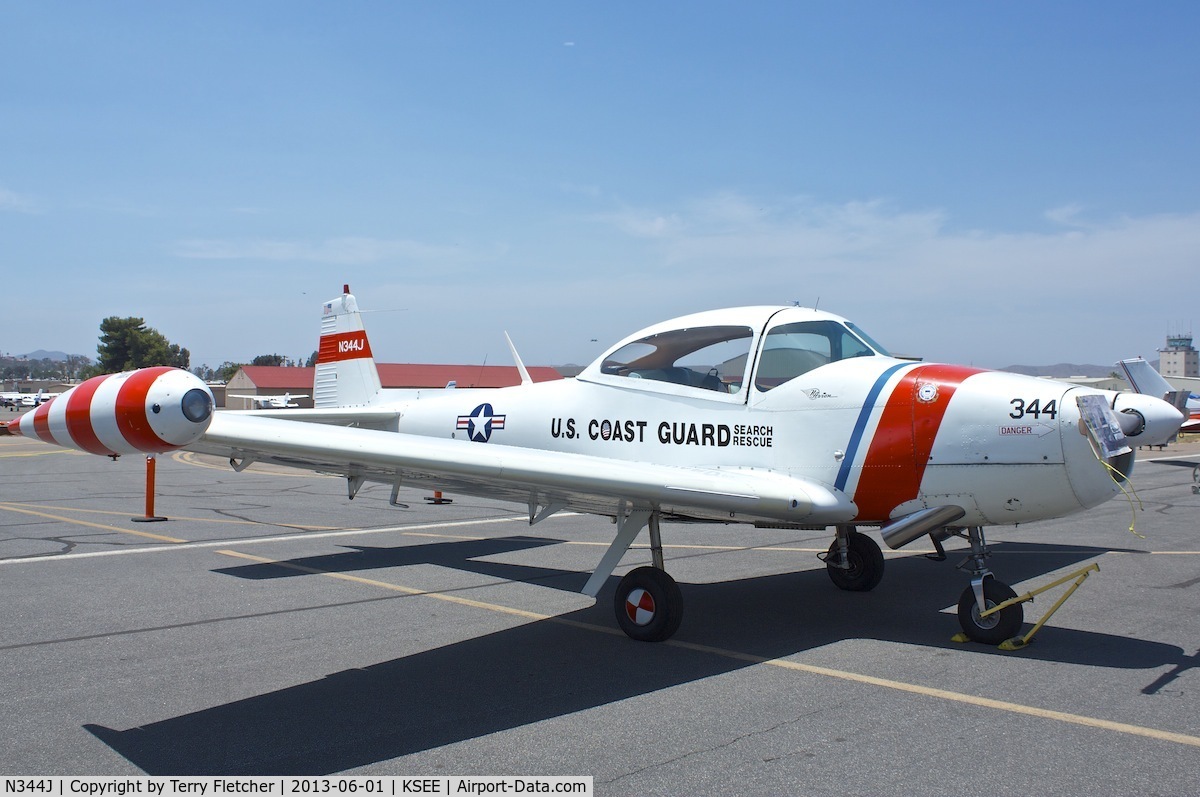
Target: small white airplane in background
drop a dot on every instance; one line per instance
(15, 401)
(779, 417)
(273, 402)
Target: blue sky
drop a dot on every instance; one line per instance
(986, 183)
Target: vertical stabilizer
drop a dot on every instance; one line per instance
(1144, 379)
(346, 373)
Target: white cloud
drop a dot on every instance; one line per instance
(16, 203)
(1083, 290)
(1066, 215)
(1094, 289)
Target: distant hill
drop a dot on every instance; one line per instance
(42, 354)
(1063, 370)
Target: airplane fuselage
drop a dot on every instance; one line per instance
(894, 435)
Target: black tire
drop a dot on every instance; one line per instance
(648, 605)
(995, 628)
(866, 564)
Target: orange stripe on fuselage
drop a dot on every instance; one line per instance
(895, 463)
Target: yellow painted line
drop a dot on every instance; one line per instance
(470, 537)
(8, 455)
(47, 515)
(176, 517)
(957, 697)
(370, 582)
(844, 675)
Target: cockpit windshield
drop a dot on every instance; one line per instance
(709, 358)
(790, 350)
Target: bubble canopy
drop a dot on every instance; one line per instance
(718, 353)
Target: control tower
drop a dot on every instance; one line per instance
(1179, 357)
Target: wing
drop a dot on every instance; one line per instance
(550, 479)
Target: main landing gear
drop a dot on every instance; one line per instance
(854, 561)
(648, 603)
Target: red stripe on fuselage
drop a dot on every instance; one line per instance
(344, 346)
(79, 416)
(899, 450)
(132, 421)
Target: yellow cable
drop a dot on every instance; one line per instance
(1114, 473)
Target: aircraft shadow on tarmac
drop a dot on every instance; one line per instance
(541, 670)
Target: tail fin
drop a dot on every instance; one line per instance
(346, 373)
(1144, 379)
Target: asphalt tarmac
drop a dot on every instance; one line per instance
(271, 626)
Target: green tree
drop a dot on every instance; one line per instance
(75, 364)
(268, 359)
(311, 360)
(226, 370)
(127, 343)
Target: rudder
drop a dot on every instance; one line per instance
(346, 375)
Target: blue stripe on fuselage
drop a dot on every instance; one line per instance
(861, 424)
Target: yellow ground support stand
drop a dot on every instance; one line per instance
(1018, 642)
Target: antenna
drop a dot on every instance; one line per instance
(525, 380)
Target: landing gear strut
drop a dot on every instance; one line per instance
(984, 593)
(648, 603)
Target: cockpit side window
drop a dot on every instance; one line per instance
(706, 358)
(790, 350)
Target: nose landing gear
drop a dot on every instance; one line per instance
(986, 592)
(993, 628)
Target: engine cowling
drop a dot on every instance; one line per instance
(148, 411)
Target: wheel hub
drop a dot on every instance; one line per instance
(985, 622)
(639, 606)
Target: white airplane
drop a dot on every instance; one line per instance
(779, 417)
(273, 402)
(1144, 379)
(16, 400)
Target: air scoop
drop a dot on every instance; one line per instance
(149, 411)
